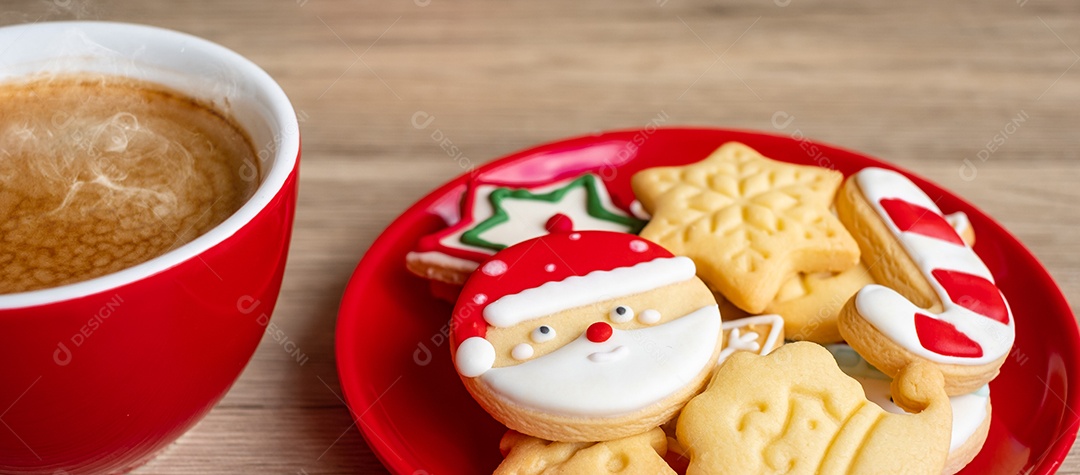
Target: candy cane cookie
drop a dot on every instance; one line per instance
(939, 302)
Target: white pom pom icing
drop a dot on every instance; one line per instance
(475, 356)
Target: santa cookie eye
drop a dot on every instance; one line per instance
(622, 314)
(542, 333)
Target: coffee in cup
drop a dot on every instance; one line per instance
(100, 173)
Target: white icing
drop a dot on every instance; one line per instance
(479, 299)
(649, 316)
(959, 221)
(737, 340)
(626, 315)
(522, 351)
(656, 362)
(474, 357)
(892, 314)
(549, 268)
(596, 286)
(638, 246)
(638, 211)
(968, 410)
(615, 354)
(539, 336)
(494, 268)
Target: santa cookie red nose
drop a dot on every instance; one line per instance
(598, 332)
(585, 335)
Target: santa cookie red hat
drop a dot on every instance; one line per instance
(551, 273)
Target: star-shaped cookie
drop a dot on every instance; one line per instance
(581, 204)
(495, 215)
(811, 303)
(750, 223)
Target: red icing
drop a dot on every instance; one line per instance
(943, 338)
(559, 223)
(913, 218)
(974, 293)
(431, 242)
(598, 332)
(574, 253)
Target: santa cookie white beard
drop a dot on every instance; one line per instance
(629, 370)
(588, 336)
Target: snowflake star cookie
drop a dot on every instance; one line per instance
(585, 336)
(795, 412)
(749, 222)
(495, 215)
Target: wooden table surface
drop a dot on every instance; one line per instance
(925, 84)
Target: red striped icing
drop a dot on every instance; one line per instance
(943, 338)
(910, 217)
(973, 293)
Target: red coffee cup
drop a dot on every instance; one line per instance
(99, 375)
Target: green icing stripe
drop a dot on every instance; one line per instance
(594, 206)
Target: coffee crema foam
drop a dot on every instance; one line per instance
(100, 173)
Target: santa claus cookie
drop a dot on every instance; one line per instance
(585, 336)
(938, 301)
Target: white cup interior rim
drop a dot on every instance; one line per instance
(285, 157)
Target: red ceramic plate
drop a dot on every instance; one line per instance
(395, 366)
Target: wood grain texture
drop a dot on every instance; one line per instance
(924, 84)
